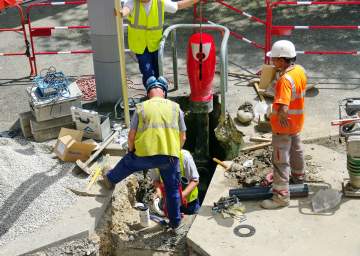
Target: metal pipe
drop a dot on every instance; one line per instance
(223, 55)
(120, 36)
(175, 62)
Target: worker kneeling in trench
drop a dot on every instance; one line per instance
(189, 182)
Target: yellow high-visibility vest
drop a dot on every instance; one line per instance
(145, 30)
(195, 192)
(158, 128)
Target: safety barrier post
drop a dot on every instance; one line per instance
(268, 30)
(13, 3)
(47, 31)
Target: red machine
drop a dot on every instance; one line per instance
(201, 60)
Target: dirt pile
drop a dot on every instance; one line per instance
(255, 165)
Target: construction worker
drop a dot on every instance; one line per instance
(190, 181)
(146, 20)
(287, 120)
(157, 134)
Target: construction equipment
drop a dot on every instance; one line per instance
(96, 170)
(84, 166)
(234, 167)
(349, 127)
(259, 192)
(224, 203)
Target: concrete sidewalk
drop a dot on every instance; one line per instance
(295, 230)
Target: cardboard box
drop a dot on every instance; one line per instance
(267, 76)
(94, 125)
(69, 146)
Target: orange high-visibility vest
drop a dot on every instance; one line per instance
(290, 90)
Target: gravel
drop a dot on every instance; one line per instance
(32, 187)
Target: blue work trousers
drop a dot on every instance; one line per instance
(170, 174)
(148, 64)
(191, 208)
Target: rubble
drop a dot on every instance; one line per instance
(250, 169)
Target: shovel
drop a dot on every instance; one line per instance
(96, 170)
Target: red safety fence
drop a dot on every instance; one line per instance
(47, 31)
(198, 15)
(283, 30)
(15, 4)
(272, 29)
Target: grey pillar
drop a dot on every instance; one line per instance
(106, 58)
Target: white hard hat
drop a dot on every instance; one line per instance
(282, 48)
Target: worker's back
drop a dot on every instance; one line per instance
(158, 128)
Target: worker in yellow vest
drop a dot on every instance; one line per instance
(146, 20)
(190, 181)
(157, 134)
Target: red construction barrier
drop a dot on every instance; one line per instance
(272, 29)
(47, 31)
(200, 17)
(15, 4)
(287, 30)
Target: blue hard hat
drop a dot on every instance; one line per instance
(152, 83)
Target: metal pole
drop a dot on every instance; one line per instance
(120, 36)
(223, 55)
(175, 62)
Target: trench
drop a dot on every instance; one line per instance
(205, 166)
(204, 163)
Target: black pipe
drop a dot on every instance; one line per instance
(258, 192)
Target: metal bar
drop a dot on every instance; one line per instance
(237, 35)
(175, 60)
(62, 27)
(329, 52)
(65, 52)
(11, 29)
(252, 18)
(318, 27)
(11, 53)
(268, 29)
(317, 3)
(223, 55)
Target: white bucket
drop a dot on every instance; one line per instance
(144, 214)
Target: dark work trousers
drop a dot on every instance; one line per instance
(148, 64)
(170, 174)
(191, 208)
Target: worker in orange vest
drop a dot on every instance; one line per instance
(287, 120)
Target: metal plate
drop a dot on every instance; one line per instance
(237, 230)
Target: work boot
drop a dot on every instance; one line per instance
(105, 182)
(275, 202)
(179, 230)
(297, 180)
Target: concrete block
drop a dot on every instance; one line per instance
(114, 149)
(57, 122)
(47, 130)
(25, 118)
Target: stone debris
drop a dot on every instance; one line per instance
(32, 187)
(250, 169)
